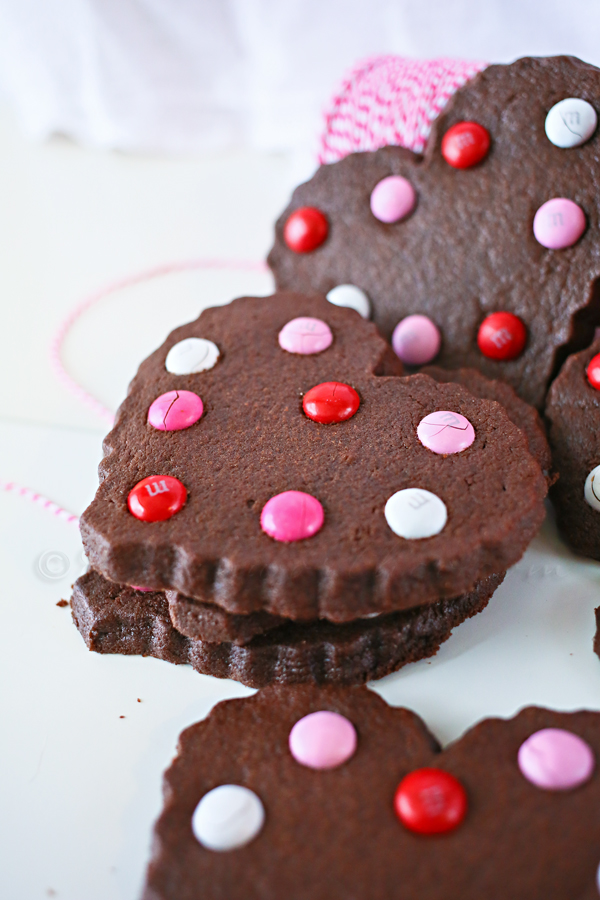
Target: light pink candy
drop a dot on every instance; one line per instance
(556, 760)
(292, 516)
(392, 199)
(175, 410)
(322, 740)
(416, 340)
(558, 223)
(445, 432)
(305, 335)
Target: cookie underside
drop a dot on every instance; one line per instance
(116, 619)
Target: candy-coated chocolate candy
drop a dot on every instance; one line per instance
(331, 401)
(156, 498)
(392, 199)
(351, 296)
(430, 801)
(190, 356)
(556, 760)
(445, 432)
(228, 817)
(305, 230)
(558, 223)
(571, 122)
(502, 336)
(593, 371)
(591, 490)
(137, 587)
(416, 340)
(322, 740)
(465, 144)
(305, 335)
(415, 513)
(175, 410)
(292, 516)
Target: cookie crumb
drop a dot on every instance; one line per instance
(121, 717)
(138, 700)
(62, 603)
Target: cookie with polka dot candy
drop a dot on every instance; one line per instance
(264, 503)
(307, 794)
(573, 413)
(485, 251)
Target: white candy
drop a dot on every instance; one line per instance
(415, 513)
(571, 122)
(352, 296)
(191, 355)
(228, 817)
(591, 491)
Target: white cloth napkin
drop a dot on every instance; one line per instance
(180, 76)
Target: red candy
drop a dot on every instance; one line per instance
(593, 371)
(465, 144)
(430, 801)
(330, 402)
(305, 230)
(156, 498)
(502, 336)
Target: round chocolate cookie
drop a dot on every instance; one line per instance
(573, 412)
(492, 235)
(293, 476)
(310, 794)
(114, 618)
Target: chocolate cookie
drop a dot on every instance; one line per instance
(573, 411)
(499, 218)
(113, 618)
(291, 478)
(310, 794)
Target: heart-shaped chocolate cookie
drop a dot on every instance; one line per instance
(310, 794)
(492, 235)
(263, 460)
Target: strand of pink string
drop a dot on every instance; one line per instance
(59, 339)
(49, 505)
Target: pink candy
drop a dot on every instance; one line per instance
(292, 516)
(392, 199)
(445, 432)
(558, 223)
(416, 340)
(175, 410)
(322, 740)
(556, 760)
(305, 335)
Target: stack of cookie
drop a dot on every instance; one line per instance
(279, 503)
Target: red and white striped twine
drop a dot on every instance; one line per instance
(49, 505)
(390, 100)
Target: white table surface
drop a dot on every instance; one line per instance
(79, 785)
